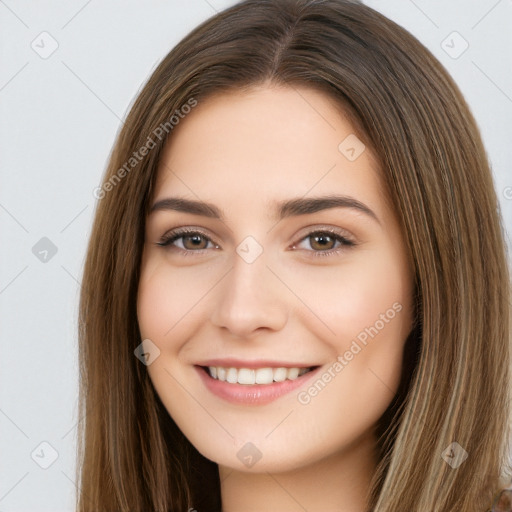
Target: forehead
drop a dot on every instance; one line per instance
(267, 144)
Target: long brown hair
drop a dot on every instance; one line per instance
(407, 109)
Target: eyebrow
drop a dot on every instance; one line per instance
(283, 209)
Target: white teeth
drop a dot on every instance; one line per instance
(264, 375)
(258, 376)
(246, 376)
(280, 374)
(232, 375)
(292, 373)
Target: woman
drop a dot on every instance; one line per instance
(296, 294)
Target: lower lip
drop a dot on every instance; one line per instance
(252, 394)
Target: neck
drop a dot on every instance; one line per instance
(339, 482)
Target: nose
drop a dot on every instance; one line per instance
(250, 299)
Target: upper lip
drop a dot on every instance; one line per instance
(259, 363)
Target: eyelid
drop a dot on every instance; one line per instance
(319, 228)
(346, 242)
(341, 235)
(184, 231)
(180, 232)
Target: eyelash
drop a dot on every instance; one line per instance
(169, 238)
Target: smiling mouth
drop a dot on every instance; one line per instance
(251, 376)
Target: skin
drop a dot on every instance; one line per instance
(242, 152)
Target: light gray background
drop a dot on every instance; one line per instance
(58, 120)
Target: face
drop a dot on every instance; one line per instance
(276, 318)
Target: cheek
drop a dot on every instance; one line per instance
(370, 289)
(367, 306)
(167, 313)
(350, 299)
(369, 309)
(157, 306)
(168, 300)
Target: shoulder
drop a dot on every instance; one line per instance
(502, 502)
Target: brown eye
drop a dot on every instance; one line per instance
(188, 241)
(194, 241)
(323, 241)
